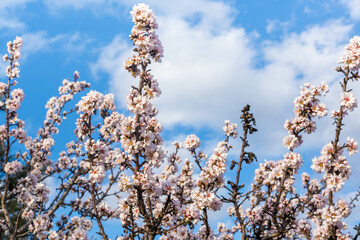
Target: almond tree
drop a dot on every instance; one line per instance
(158, 194)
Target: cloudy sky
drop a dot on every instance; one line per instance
(219, 56)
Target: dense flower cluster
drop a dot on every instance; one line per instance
(13, 48)
(306, 106)
(160, 195)
(148, 46)
(348, 101)
(334, 166)
(13, 167)
(191, 142)
(230, 129)
(211, 178)
(351, 57)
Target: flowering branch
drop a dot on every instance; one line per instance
(160, 195)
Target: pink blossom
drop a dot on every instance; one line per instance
(348, 101)
(191, 142)
(351, 146)
(230, 129)
(351, 57)
(13, 167)
(97, 174)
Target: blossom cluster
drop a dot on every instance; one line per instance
(14, 54)
(211, 178)
(230, 129)
(348, 101)
(334, 165)
(160, 195)
(351, 57)
(148, 45)
(191, 142)
(13, 167)
(306, 106)
(336, 169)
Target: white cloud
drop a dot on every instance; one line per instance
(78, 4)
(110, 7)
(212, 13)
(52, 184)
(3, 66)
(111, 57)
(276, 25)
(11, 4)
(353, 7)
(40, 41)
(207, 78)
(9, 12)
(13, 23)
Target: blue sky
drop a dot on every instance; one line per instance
(219, 56)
